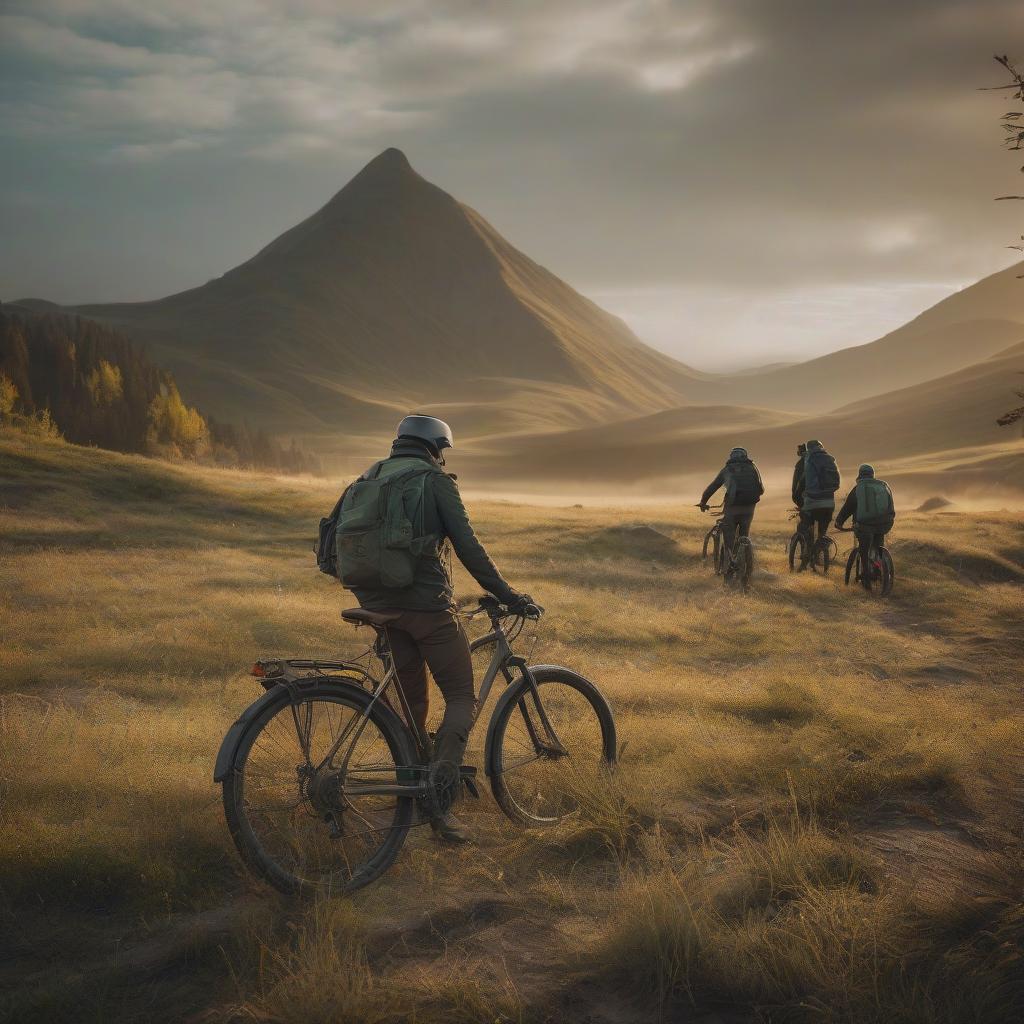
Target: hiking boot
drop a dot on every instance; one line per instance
(450, 830)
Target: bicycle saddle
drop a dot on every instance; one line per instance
(363, 617)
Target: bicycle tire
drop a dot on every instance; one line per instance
(796, 542)
(888, 572)
(709, 538)
(720, 556)
(823, 556)
(511, 786)
(852, 563)
(744, 559)
(254, 853)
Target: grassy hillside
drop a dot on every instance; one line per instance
(817, 814)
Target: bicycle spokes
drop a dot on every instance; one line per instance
(302, 811)
(551, 746)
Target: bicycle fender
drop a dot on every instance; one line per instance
(512, 693)
(228, 752)
(233, 737)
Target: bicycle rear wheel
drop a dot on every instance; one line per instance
(533, 781)
(301, 828)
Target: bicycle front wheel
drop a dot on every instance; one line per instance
(797, 548)
(539, 774)
(824, 555)
(303, 825)
(888, 571)
(744, 561)
(852, 567)
(713, 541)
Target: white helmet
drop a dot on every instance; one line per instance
(427, 428)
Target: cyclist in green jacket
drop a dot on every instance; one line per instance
(428, 633)
(874, 512)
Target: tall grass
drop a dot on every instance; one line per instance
(815, 815)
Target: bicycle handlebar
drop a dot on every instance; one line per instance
(494, 609)
(710, 508)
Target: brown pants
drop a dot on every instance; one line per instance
(436, 640)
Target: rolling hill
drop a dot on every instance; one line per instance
(939, 418)
(972, 324)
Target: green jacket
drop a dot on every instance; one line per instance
(444, 516)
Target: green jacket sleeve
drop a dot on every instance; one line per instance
(712, 487)
(798, 483)
(471, 553)
(849, 507)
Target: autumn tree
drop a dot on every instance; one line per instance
(8, 396)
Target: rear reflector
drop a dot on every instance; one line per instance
(258, 670)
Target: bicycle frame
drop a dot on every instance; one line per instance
(503, 660)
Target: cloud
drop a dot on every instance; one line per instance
(144, 152)
(304, 69)
(660, 147)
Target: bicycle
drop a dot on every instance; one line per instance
(823, 551)
(737, 564)
(713, 539)
(322, 776)
(881, 569)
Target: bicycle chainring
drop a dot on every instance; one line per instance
(443, 782)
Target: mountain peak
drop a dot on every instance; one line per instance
(387, 175)
(390, 165)
(390, 157)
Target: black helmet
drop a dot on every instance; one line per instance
(435, 432)
(865, 470)
(737, 453)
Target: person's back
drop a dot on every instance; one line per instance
(743, 489)
(815, 482)
(394, 527)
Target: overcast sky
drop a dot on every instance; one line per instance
(742, 180)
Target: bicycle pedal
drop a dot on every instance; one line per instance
(468, 775)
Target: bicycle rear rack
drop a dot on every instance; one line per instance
(305, 672)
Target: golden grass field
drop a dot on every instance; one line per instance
(816, 817)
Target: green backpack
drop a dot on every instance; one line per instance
(874, 502)
(378, 545)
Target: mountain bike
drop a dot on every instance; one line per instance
(819, 554)
(323, 776)
(736, 565)
(713, 540)
(880, 571)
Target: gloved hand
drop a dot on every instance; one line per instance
(523, 604)
(703, 506)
